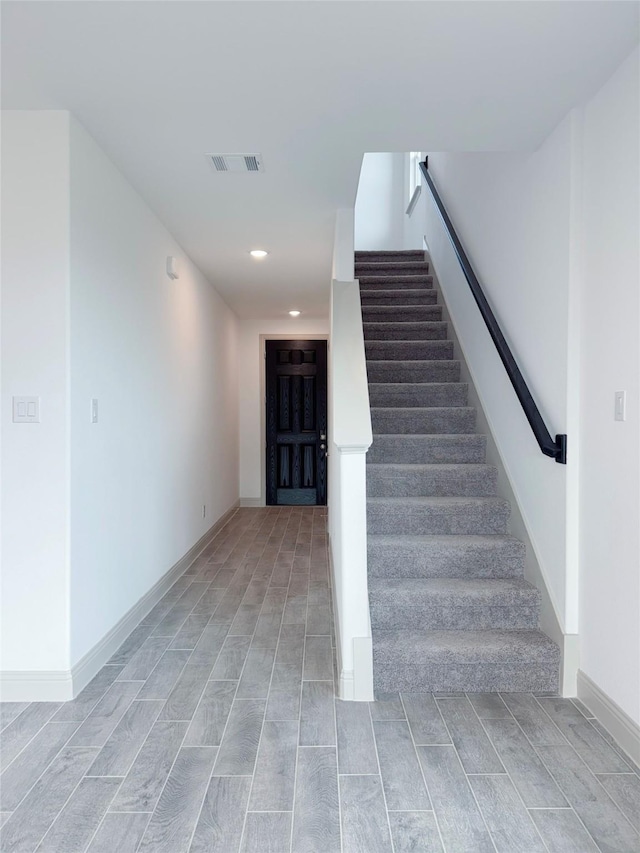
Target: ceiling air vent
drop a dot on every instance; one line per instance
(236, 162)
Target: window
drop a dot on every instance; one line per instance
(415, 182)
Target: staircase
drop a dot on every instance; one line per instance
(450, 609)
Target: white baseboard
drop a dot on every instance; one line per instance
(251, 502)
(345, 685)
(616, 721)
(62, 685)
(36, 685)
(345, 676)
(362, 669)
(354, 685)
(569, 663)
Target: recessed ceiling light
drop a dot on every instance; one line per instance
(258, 253)
(294, 313)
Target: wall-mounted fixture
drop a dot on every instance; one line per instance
(172, 268)
(26, 410)
(258, 253)
(236, 162)
(294, 313)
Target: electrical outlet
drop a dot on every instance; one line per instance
(94, 410)
(204, 510)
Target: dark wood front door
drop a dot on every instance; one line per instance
(296, 422)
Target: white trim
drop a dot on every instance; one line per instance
(63, 685)
(345, 685)
(345, 677)
(414, 200)
(363, 669)
(252, 502)
(617, 722)
(354, 685)
(569, 659)
(36, 686)
(346, 449)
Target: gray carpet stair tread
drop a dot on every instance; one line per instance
(444, 469)
(394, 254)
(430, 419)
(401, 299)
(388, 313)
(497, 592)
(435, 419)
(463, 604)
(418, 394)
(478, 542)
(427, 448)
(446, 480)
(450, 608)
(434, 370)
(395, 282)
(408, 350)
(445, 515)
(397, 295)
(424, 556)
(468, 647)
(422, 331)
(449, 503)
(390, 266)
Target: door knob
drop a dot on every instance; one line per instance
(322, 436)
(322, 447)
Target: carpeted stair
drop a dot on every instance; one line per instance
(450, 609)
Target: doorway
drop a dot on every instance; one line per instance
(296, 423)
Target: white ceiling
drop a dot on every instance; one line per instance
(311, 86)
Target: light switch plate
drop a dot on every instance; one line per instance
(26, 410)
(620, 409)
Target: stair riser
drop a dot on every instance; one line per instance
(393, 483)
(421, 520)
(393, 268)
(396, 282)
(408, 350)
(401, 396)
(387, 616)
(454, 449)
(397, 314)
(405, 331)
(438, 421)
(503, 560)
(400, 256)
(469, 678)
(397, 371)
(406, 298)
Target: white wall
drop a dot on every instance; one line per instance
(160, 356)
(251, 388)
(513, 214)
(610, 463)
(380, 202)
(35, 360)
(554, 237)
(95, 514)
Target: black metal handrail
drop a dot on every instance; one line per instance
(556, 449)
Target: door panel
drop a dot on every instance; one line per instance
(296, 382)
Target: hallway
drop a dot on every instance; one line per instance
(215, 728)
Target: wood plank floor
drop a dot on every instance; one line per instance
(216, 727)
